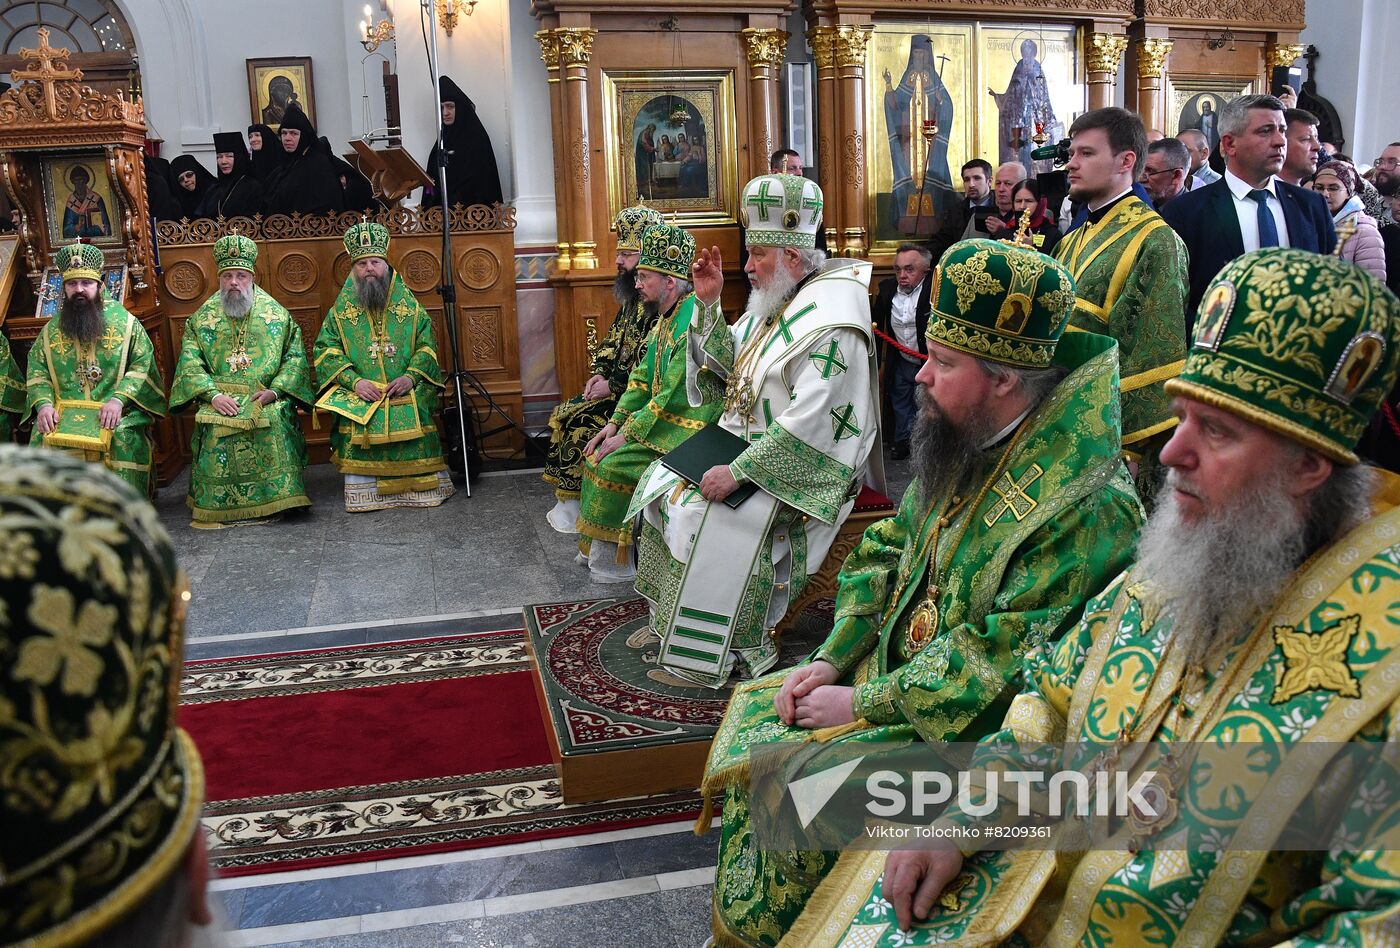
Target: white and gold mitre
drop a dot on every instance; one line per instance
(781, 210)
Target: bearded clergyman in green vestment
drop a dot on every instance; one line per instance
(93, 383)
(575, 422)
(243, 368)
(653, 416)
(1021, 508)
(11, 390)
(1252, 650)
(378, 369)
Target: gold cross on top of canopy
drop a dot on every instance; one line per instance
(41, 68)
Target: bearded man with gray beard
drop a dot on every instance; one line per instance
(576, 421)
(93, 384)
(1259, 615)
(377, 364)
(243, 369)
(1020, 509)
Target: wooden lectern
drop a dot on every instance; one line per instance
(393, 173)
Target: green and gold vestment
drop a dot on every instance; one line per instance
(1323, 667)
(574, 423)
(654, 415)
(1130, 275)
(240, 472)
(1055, 521)
(62, 370)
(11, 390)
(354, 344)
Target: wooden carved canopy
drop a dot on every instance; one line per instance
(48, 107)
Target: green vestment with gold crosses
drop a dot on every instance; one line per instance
(11, 390)
(1130, 275)
(1053, 521)
(244, 471)
(1323, 667)
(354, 344)
(121, 364)
(574, 423)
(654, 415)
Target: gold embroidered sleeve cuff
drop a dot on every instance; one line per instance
(874, 701)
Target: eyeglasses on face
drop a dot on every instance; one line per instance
(1387, 162)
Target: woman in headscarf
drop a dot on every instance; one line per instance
(305, 183)
(472, 177)
(237, 193)
(1043, 233)
(1338, 182)
(266, 152)
(192, 183)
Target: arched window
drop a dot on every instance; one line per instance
(84, 26)
(95, 30)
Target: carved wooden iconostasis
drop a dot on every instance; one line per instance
(977, 73)
(70, 163)
(703, 78)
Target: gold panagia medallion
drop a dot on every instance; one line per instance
(923, 624)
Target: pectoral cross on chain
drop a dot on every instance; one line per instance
(382, 346)
(1013, 495)
(238, 360)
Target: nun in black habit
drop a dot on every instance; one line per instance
(358, 194)
(266, 152)
(237, 193)
(472, 177)
(160, 199)
(306, 183)
(192, 182)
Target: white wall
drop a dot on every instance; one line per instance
(1356, 40)
(195, 79)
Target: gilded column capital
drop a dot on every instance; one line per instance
(1282, 54)
(822, 39)
(765, 47)
(849, 43)
(549, 48)
(575, 45)
(1104, 51)
(1152, 57)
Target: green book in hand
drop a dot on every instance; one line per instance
(79, 426)
(709, 446)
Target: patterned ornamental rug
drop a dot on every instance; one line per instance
(605, 688)
(373, 752)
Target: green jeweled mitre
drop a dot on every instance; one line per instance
(79, 262)
(632, 222)
(1305, 345)
(1001, 302)
(100, 789)
(367, 239)
(235, 252)
(667, 249)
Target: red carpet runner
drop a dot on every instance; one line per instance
(372, 752)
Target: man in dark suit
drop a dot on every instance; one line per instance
(977, 192)
(1249, 207)
(901, 311)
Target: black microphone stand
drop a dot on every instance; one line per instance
(466, 435)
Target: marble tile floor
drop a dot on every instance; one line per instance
(651, 883)
(491, 552)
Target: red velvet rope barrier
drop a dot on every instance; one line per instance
(1390, 418)
(896, 343)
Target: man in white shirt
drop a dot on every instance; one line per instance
(901, 312)
(1250, 208)
(1198, 147)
